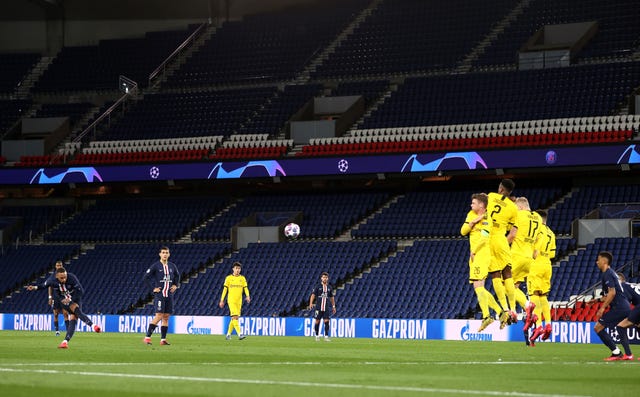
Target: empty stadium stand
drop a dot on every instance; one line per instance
(98, 67)
(13, 68)
(435, 78)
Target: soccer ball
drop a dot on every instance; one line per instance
(292, 230)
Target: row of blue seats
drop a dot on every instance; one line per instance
(404, 282)
(416, 214)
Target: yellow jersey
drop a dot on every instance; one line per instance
(540, 274)
(479, 235)
(235, 285)
(502, 211)
(529, 224)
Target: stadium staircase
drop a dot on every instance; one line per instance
(187, 238)
(393, 87)
(347, 235)
(24, 91)
(174, 64)
(305, 75)
(467, 64)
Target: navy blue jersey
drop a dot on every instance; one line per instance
(48, 281)
(71, 289)
(162, 276)
(632, 292)
(323, 294)
(610, 280)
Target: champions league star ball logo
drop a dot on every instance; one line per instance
(551, 157)
(343, 165)
(154, 172)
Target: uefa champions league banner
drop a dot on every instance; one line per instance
(408, 163)
(377, 328)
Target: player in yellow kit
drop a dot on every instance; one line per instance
(235, 285)
(528, 224)
(539, 280)
(502, 211)
(478, 226)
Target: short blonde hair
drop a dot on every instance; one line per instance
(523, 203)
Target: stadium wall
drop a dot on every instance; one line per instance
(378, 328)
(27, 26)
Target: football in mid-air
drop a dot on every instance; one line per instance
(292, 230)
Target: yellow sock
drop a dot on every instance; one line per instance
(498, 286)
(230, 329)
(482, 293)
(510, 291)
(236, 325)
(491, 301)
(521, 298)
(545, 308)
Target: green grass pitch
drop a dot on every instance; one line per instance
(111, 364)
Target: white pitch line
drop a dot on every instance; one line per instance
(313, 363)
(288, 383)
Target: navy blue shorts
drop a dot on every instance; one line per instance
(163, 304)
(57, 305)
(318, 314)
(67, 307)
(611, 318)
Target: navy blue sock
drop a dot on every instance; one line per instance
(624, 340)
(78, 312)
(326, 329)
(56, 323)
(71, 330)
(163, 332)
(66, 324)
(606, 339)
(150, 329)
(317, 329)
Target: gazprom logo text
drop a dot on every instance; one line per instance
(191, 329)
(466, 335)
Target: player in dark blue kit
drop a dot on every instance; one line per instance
(631, 292)
(614, 298)
(633, 295)
(163, 278)
(68, 291)
(325, 295)
(55, 305)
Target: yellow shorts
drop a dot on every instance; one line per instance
(539, 277)
(500, 254)
(520, 266)
(235, 308)
(479, 267)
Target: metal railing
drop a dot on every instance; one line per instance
(159, 72)
(154, 77)
(107, 114)
(61, 158)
